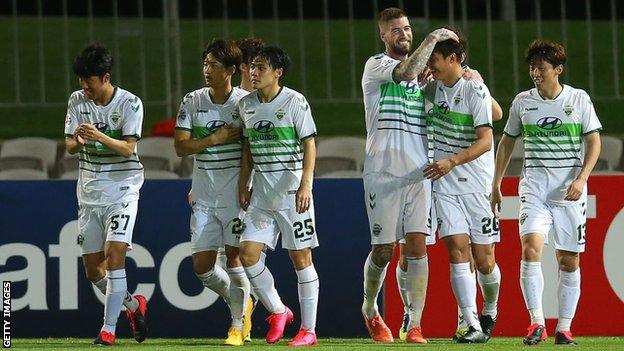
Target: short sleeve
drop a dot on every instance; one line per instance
(513, 127)
(379, 69)
(302, 118)
(71, 118)
(589, 122)
(133, 118)
(240, 107)
(183, 119)
(480, 104)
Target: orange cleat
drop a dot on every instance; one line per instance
(378, 330)
(415, 336)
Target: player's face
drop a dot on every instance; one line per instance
(397, 35)
(262, 74)
(94, 86)
(439, 66)
(543, 72)
(215, 72)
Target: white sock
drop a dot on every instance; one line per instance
(401, 277)
(373, 279)
(308, 288)
(130, 302)
(569, 292)
(264, 286)
(417, 280)
(465, 290)
(218, 281)
(115, 292)
(532, 284)
(239, 293)
(221, 260)
(461, 322)
(490, 285)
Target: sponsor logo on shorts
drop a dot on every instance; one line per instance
(523, 217)
(377, 229)
(123, 188)
(372, 203)
(80, 239)
(439, 222)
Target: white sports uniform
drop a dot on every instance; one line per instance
(275, 131)
(397, 196)
(216, 218)
(108, 183)
(552, 133)
(461, 197)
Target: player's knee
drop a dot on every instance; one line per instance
(382, 254)
(300, 258)
(202, 266)
(248, 258)
(485, 266)
(94, 273)
(531, 254)
(568, 263)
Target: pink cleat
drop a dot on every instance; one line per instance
(277, 323)
(303, 338)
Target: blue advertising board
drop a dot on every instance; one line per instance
(52, 297)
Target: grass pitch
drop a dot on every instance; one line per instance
(585, 343)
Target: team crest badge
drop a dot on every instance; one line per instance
(115, 117)
(280, 114)
(377, 229)
(457, 99)
(568, 110)
(523, 218)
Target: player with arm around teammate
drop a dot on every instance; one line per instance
(103, 125)
(556, 122)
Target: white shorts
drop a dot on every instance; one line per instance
(106, 223)
(396, 206)
(264, 226)
(467, 214)
(566, 221)
(214, 227)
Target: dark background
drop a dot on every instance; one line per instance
(525, 9)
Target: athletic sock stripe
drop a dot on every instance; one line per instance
(258, 273)
(309, 281)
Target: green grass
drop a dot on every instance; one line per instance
(332, 118)
(585, 343)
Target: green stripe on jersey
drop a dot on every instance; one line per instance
(277, 133)
(397, 90)
(452, 117)
(453, 128)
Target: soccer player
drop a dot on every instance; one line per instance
(249, 47)
(103, 125)
(559, 128)
(209, 128)
(398, 198)
(462, 172)
(279, 144)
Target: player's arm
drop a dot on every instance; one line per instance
(185, 145)
(497, 111)
(74, 144)
(304, 193)
(592, 152)
(123, 147)
(483, 144)
(469, 74)
(244, 194)
(415, 63)
(503, 155)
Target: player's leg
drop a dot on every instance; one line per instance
(569, 243)
(401, 278)
(534, 225)
(383, 216)
(206, 240)
(454, 228)
(299, 237)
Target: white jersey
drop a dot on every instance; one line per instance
(553, 133)
(104, 176)
(396, 125)
(456, 114)
(275, 131)
(216, 169)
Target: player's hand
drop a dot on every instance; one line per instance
(425, 75)
(244, 196)
(226, 134)
(495, 201)
(472, 74)
(443, 34)
(438, 169)
(89, 132)
(189, 197)
(575, 190)
(80, 140)
(303, 198)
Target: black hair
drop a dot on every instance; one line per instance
(249, 48)
(276, 57)
(94, 60)
(225, 51)
(450, 46)
(544, 50)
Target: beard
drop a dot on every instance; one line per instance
(400, 49)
